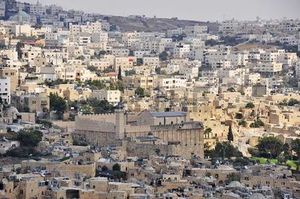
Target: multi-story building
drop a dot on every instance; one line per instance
(172, 83)
(268, 68)
(229, 26)
(182, 50)
(5, 89)
(297, 69)
(112, 96)
(12, 74)
(34, 103)
(2, 8)
(151, 61)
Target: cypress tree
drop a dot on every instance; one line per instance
(230, 134)
(120, 74)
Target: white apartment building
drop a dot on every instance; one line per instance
(182, 50)
(30, 53)
(254, 55)
(5, 90)
(189, 71)
(268, 67)
(297, 68)
(99, 37)
(88, 28)
(76, 62)
(84, 40)
(2, 8)
(290, 40)
(47, 73)
(173, 32)
(251, 79)
(66, 73)
(195, 30)
(54, 56)
(165, 43)
(196, 43)
(120, 52)
(217, 58)
(288, 59)
(94, 27)
(269, 56)
(22, 30)
(10, 54)
(179, 61)
(112, 96)
(151, 61)
(145, 82)
(50, 36)
(238, 59)
(6, 145)
(37, 9)
(173, 83)
(126, 63)
(229, 26)
(144, 70)
(172, 68)
(141, 53)
(199, 54)
(100, 64)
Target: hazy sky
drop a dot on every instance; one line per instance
(187, 9)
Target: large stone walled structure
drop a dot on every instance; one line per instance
(185, 138)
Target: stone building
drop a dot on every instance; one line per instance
(171, 128)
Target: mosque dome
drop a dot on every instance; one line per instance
(21, 17)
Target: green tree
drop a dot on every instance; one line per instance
(233, 177)
(207, 132)
(231, 89)
(97, 84)
(293, 102)
(243, 123)
(21, 152)
(239, 116)
(295, 146)
(57, 103)
(118, 85)
(104, 168)
(130, 72)
(163, 56)
(19, 47)
(117, 173)
(250, 105)
(241, 162)
(225, 150)
(157, 151)
(139, 61)
(284, 103)
(82, 58)
(257, 123)
(86, 109)
(120, 74)
(140, 92)
(29, 137)
(100, 106)
(230, 134)
(92, 68)
(269, 147)
(116, 167)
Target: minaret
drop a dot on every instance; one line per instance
(120, 123)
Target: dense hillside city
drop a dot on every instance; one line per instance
(111, 107)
